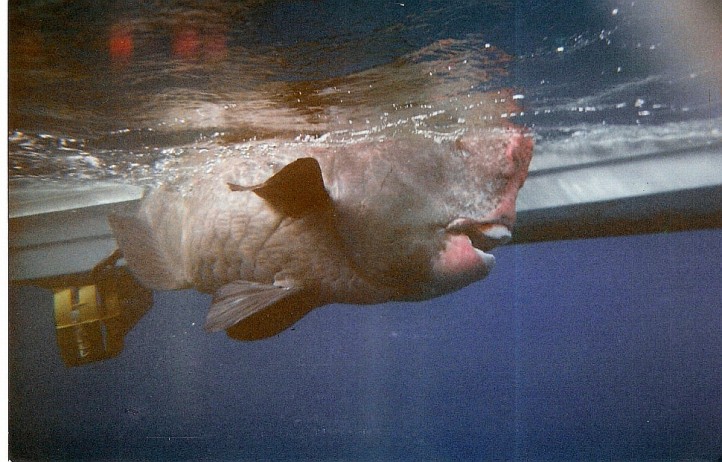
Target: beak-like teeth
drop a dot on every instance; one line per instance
(483, 236)
(497, 232)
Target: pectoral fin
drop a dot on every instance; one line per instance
(274, 319)
(295, 190)
(238, 300)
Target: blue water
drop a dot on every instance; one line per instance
(593, 349)
(576, 350)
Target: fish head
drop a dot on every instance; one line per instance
(421, 216)
(480, 204)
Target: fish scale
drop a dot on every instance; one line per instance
(357, 222)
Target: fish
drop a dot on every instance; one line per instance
(273, 236)
(407, 181)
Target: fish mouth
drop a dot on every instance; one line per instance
(464, 257)
(484, 236)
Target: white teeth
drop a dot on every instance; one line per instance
(497, 232)
(487, 258)
(456, 223)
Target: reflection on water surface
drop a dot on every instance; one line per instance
(585, 349)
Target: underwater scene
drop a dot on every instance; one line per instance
(380, 230)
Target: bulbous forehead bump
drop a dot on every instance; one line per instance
(502, 153)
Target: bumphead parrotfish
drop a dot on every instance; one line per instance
(406, 210)
(365, 222)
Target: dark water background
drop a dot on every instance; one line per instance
(596, 349)
(581, 350)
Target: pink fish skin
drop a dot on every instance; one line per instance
(277, 233)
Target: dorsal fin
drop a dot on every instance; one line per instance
(296, 190)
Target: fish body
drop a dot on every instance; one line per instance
(273, 236)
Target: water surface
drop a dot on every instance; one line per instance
(590, 349)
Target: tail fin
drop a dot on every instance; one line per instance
(147, 260)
